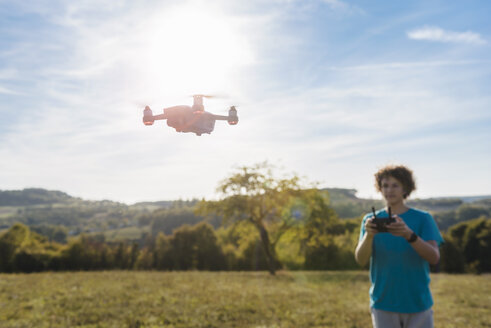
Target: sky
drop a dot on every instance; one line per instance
(330, 90)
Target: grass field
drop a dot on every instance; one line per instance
(222, 299)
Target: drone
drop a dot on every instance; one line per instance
(191, 118)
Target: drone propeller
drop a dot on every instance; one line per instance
(235, 107)
(210, 96)
(139, 104)
(142, 103)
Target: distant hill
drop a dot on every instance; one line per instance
(472, 199)
(340, 194)
(164, 204)
(33, 196)
(41, 207)
(447, 211)
(347, 205)
(39, 196)
(45, 210)
(337, 197)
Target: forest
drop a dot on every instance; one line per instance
(261, 223)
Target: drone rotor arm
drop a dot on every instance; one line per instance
(220, 117)
(160, 117)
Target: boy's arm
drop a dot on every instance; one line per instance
(426, 249)
(364, 248)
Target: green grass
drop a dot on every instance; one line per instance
(222, 299)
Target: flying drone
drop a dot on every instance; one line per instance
(191, 118)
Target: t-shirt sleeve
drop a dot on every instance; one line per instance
(430, 230)
(362, 228)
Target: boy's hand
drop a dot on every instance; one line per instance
(399, 228)
(370, 228)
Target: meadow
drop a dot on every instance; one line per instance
(221, 299)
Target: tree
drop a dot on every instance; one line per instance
(56, 233)
(167, 220)
(451, 259)
(477, 245)
(195, 248)
(10, 242)
(272, 205)
(23, 250)
(162, 252)
(322, 234)
(473, 240)
(241, 246)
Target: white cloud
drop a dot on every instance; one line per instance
(433, 33)
(7, 91)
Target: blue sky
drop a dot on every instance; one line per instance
(329, 89)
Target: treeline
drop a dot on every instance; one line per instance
(197, 247)
(200, 247)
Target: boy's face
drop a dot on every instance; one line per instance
(392, 190)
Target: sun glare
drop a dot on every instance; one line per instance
(189, 50)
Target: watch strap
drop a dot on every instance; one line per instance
(413, 237)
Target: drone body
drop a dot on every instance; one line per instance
(190, 118)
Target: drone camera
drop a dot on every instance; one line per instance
(148, 116)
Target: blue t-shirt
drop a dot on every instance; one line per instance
(400, 276)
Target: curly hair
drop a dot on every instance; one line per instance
(399, 172)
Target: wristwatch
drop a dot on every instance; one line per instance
(413, 237)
